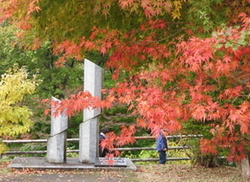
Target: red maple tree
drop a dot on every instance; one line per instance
(178, 70)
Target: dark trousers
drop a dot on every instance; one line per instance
(162, 157)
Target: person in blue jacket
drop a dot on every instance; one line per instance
(162, 147)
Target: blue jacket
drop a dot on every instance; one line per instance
(161, 143)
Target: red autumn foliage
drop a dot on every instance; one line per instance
(204, 79)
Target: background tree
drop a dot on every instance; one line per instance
(42, 59)
(57, 82)
(14, 116)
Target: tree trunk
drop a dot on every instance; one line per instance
(244, 168)
(207, 160)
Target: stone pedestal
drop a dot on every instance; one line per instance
(56, 144)
(89, 129)
(111, 162)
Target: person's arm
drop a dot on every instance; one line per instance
(165, 145)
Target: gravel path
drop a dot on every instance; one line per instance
(62, 178)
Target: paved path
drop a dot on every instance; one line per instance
(65, 178)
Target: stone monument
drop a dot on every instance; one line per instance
(88, 136)
(56, 143)
(89, 128)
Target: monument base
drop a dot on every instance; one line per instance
(111, 162)
(71, 163)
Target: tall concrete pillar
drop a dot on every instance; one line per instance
(56, 143)
(89, 128)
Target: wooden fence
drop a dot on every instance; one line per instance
(18, 152)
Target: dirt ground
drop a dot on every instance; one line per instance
(145, 173)
(61, 178)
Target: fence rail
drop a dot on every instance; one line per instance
(77, 139)
(119, 149)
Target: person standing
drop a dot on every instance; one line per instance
(103, 151)
(162, 147)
